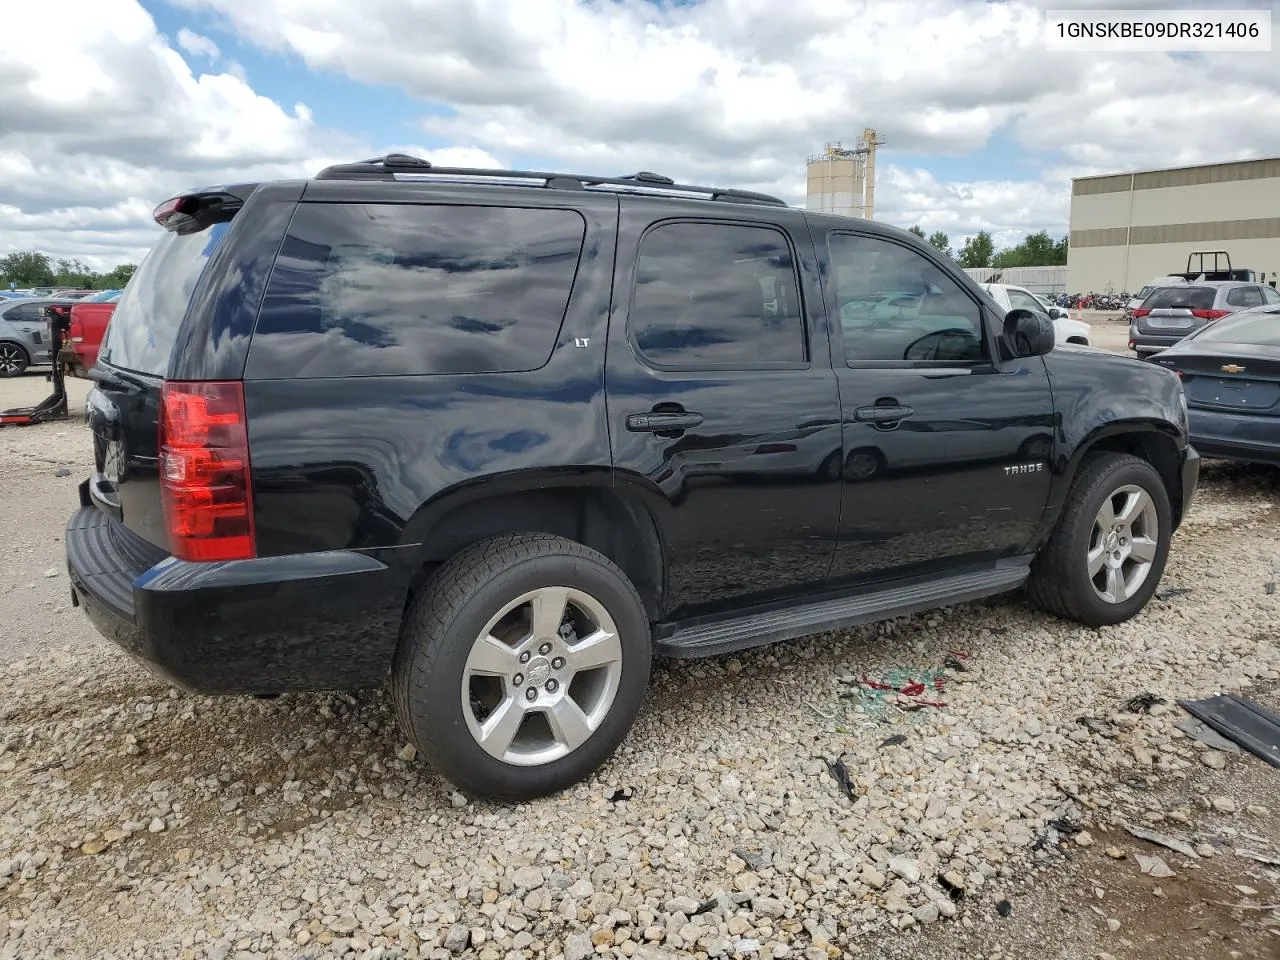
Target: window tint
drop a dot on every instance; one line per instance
(147, 316)
(711, 294)
(1019, 300)
(895, 305)
(395, 289)
(1189, 298)
(23, 313)
(1271, 294)
(1244, 297)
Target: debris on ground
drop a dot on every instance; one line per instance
(1201, 732)
(840, 773)
(1154, 867)
(1170, 592)
(1248, 724)
(1163, 840)
(1143, 702)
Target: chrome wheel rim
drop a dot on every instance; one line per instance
(10, 358)
(542, 676)
(1123, 544)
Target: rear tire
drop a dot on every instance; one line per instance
(522, 665)
(1108, 552)
(13, 359)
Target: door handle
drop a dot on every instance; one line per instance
(662, 421)
(882, 414)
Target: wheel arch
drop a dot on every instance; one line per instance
(1157, 444)
(608, 520)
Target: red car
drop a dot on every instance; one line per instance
(87, 327)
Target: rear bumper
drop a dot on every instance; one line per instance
(1146, 344)
(1233, 436)
(321, 621)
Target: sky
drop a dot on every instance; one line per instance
(108, 107)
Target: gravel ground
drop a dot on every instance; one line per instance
(139, 822)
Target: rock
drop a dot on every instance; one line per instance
(51, 572)
(423, 858)
(1113, 925)
(457, 939)
(579, 947)
(1256, 811)
(1115, 853)
(457, 800)
(1205, 850)
(906, 868)
(1213, 759)
(93, 847)
(1084, 839)
(602, 938)
(734, 666)
(926, 914)
(872, 877)
(155, 826)
(1154, 867)
(408, 753)
(529, 878)
(685, 905)
(768, 907)
(1033, 728)
(1223, 804)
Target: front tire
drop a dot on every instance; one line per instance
(1108, 552)
(522, 665)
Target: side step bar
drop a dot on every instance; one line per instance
(740, 632)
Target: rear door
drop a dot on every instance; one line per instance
(723, 411)
(946, 448)
(1176, 311)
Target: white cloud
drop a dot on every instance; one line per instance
(99, 112)
(197, 44)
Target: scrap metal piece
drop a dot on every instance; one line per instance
(1163, 840)
(1253, 727)
(1200, 731)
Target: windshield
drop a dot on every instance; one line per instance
(1258, 327)
(1187, 298)
(147, 317)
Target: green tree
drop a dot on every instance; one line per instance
(117, 278)
(27, 268)
(977, 250)
(1036, 250)
(73, 273)
(940, 241)
(917, 230)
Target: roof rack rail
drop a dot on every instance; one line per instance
(394, 165)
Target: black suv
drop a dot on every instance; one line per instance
(502, 437)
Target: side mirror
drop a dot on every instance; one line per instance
(1028, 334)
(1057, 313)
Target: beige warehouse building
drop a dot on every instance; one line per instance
(1130, 227)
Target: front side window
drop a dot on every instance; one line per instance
(897, 306)
(413, 289)
(716, 295)
(1021, 300)
(1271, 294)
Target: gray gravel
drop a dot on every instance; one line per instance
(138, 822)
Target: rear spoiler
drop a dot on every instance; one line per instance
(193, 211)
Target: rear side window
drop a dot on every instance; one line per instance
(401, 289)
(716, 295)
(1189, 298)
(1244, 297)
(1271, 295)
(1261, 328)
(23, 313)
(150, 311)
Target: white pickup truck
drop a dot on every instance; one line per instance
(1067, 330)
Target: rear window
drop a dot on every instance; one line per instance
(1190, 298)
(150, 311)
(1259, 327)
(398, 289)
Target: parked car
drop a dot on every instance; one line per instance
(86, 326)
(427, 426)
(1171, 313)
(1151, 287)
(1231, 375)
(24, 334)
(1066, 330)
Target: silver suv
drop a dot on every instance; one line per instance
(24, 334)
(1171, 313)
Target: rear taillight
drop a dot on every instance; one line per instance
(77, 330)
(1140, 312)
(205, 483)
(1209, 314)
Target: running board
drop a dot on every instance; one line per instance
(743, 631)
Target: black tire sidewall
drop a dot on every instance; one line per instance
(436, 705)
(1129, 471)
(24, 361)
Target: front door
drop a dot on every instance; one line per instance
(947, 449)
(723, 408)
